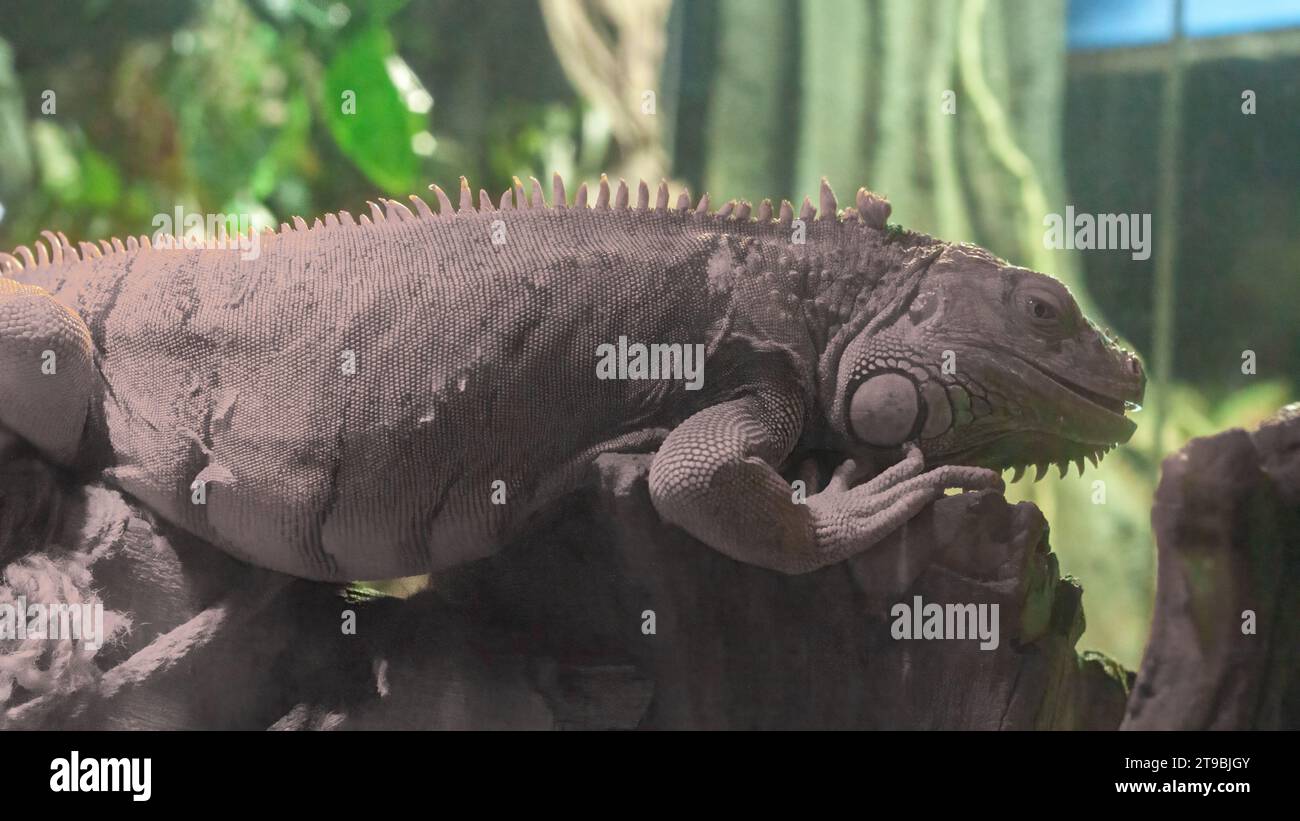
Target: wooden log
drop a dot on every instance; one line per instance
(736, 646)
(605, 617)
(1224, 650)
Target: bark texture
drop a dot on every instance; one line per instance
(1224, 650)
(552, 632)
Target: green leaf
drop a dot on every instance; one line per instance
(376, 134)
(1248, 406)
(16, 170)
(57, 160)
(101, 185)
(291, 145)
(380, 10)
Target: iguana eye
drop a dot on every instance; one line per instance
(1040, 309)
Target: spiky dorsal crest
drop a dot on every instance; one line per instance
(871, 210)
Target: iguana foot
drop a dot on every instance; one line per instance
(848, 520)
(46, 364)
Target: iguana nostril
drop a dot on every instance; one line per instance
(1135, 368)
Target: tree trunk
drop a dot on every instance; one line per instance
(1224, 651)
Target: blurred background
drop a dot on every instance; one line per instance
(978, 118)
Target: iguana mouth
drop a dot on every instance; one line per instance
(1101, 400)
(1099, 423)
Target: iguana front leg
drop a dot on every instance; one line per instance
(46, 367)
(716, 477)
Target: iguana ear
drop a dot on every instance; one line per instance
(46, 364)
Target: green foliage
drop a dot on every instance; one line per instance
(237, 106)
(16, 170)
(749, 140)
(377, 134)
(834, 31)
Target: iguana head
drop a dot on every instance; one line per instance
(986, 364)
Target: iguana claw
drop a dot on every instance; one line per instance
(848, 520)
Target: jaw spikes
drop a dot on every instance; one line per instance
(1093, 454)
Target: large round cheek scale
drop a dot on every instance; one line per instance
(884, 409)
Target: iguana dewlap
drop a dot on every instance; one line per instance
(388, 396)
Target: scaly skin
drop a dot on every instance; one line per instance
(476, 372)
(45, 364)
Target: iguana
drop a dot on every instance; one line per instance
(396, 394)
